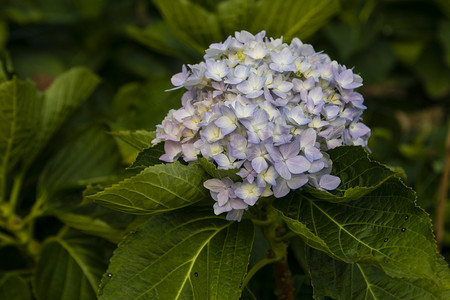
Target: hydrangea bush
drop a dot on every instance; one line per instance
(271, 134)
(267, 109)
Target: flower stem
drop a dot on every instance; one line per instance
(274, 232)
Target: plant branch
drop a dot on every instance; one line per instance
(283, 282)
(440, 212)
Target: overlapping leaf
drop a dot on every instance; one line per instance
(186, 254)
(292, 18)
(160, 38)
(383, 228)
(339, 280)
(212, 170)
(358, 173)
(14, 287)
(191, 23)
(19, 106)
(139, 139)
(149, 157)
(96, 220)
(60, 100)
(156, 189)
(69, 268)
(86, 159)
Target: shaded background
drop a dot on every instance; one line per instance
(401, 48)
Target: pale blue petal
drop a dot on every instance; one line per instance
(297, 181)
(329, 182)
(281, 189)
(290, 150)
(283, 170)
(297, 165)
(259, 164)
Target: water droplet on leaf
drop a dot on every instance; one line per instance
(196, 274)
(403, 229)
(406, 217)
(109, 275)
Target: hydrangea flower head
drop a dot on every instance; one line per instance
(270, 110)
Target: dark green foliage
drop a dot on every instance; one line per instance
(81, 180)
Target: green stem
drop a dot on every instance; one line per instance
(14, 197)
(274, 232)
(259, 265)
(6, 238)
(35, 210)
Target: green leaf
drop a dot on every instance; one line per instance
(130, 143)
(149, 157)
(433, 71)
(156, 189)
(383, 228)
(212, 170)
(18, 118)
(60, 100)
(292, 18)
(186, 254)
(197, 29)
(235, 15)
(160, 38)
(96, 220)
(359, 175)
(86, 159)
(339, 280)
(140, 106)
(68, 268)
(14, 287)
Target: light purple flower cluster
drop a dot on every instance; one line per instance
(269, 110)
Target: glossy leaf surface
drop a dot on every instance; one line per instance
(186, 254)
(156, 189)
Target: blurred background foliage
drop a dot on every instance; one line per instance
(401, 48)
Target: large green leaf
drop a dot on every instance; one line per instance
(14, 287)
(339, 280)
(68, 268)
(186, 254)
(191, 23)
(86, 159)
(156, 189)
(18, 118)
(60, 100)
(358, 173)
(292, 18)
(384, 228)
